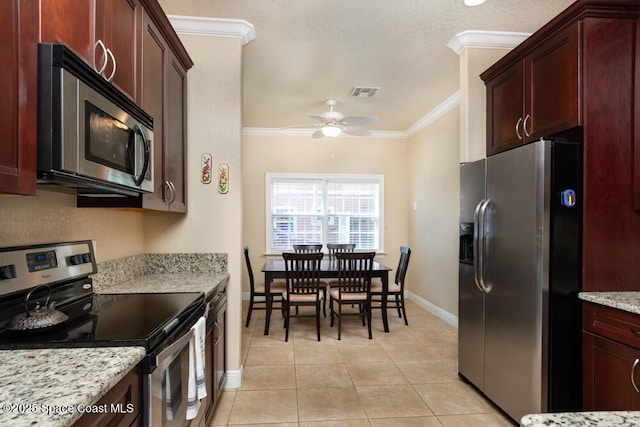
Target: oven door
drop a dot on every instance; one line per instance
(167, 387)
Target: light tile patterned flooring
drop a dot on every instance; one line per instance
(407, 377)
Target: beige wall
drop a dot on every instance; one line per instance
(345, 155)
(52, 216)
(214, 221)
(433, 161)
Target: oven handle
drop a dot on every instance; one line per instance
(163, 359)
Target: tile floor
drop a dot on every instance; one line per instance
(407, 377)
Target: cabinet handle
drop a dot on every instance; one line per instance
(633, 371)
(173, 192)
(524, 125)
(634, 330)
(517, 126)
(167, 192)
(104, 55)
(113, 59)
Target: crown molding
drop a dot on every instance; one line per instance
(486, 40)
(379, 134)
(442, 109)
(213, 27)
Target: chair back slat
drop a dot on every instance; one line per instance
(354, 271)
(302, 272)
(249, 269)
(301, 249)
(403, 263)
(334, 248)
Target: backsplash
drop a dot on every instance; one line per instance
(120, 270)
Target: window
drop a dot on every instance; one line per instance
(306, 209)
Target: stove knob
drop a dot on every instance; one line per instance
(8, 272)
(74, 260)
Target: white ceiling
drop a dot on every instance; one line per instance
(306, 51)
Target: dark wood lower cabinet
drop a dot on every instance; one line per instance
(122, 404)
(610, 370)
(216, 349)
(611, 359)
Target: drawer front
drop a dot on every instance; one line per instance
(614, 324)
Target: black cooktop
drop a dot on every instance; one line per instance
(113, 320)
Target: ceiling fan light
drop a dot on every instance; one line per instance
(473, 2)
(331, 130)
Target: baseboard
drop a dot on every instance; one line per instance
(234, 379)
(432, 308)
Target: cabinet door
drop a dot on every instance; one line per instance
(609, 370)
(69, 22)
(116, 26)
(154, 57)
(17, 100)
(552, 93)
(176, 140)
(504, 110)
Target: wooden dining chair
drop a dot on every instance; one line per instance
(302, 273)
(333, 249)
(311, 248)
(307, 248)
(354, 287)
(396, 289)
(257, 290)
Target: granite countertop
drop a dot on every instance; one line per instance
(35, 381)
(627, 301)
(52, 387)
(583, 419)
(169, 282)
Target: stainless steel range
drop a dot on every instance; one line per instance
(47, 300)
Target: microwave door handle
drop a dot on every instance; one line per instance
(138, 179)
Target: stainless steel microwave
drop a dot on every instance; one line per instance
(91, 137)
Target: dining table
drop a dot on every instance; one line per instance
(275, 269)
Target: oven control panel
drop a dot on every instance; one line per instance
(24, 267)
(41, 261)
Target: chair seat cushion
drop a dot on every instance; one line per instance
(276, 288)
(347, 296)
(376, 287)
(300, 297)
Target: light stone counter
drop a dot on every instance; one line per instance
(583, 419)
(627, 301)
(169, 282)
(38, 384)
(81, 376)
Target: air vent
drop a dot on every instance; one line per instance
(364, 92)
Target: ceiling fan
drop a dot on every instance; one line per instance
(334, 123)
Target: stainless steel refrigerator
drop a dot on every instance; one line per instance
(520, 273)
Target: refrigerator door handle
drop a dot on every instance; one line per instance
(479, 245)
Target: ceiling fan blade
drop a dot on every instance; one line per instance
(317, 134)
(356, 131)
(358, 120)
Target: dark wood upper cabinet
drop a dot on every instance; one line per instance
(116, 27)
(536, 96)
(17, 104)
(580, 78)
(505, 102)
(90, 28)
(552, 95)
